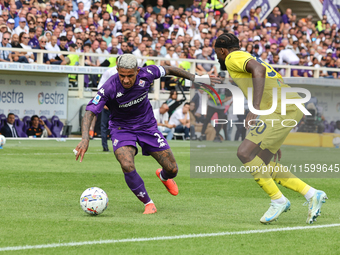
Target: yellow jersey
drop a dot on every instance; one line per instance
(236, 63)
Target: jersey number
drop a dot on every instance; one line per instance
(259, 129)
(160, 140)
(272, 73)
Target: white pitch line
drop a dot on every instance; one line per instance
(158, 238)
(52, 153)
(68, 153)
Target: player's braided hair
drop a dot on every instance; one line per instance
(227, 41)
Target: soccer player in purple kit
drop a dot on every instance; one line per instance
(132, 120)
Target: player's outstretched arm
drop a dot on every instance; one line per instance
(172, 70)
(85, 128)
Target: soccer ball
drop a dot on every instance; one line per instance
(2, 140)
(336, 142)
(94, 201)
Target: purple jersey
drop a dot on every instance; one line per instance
(130, 108)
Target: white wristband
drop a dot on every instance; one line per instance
(203, 79)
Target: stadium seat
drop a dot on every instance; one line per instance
(48, 124)
(2, 120)
(57, 126)
(54, 119)
(19, 126)
(179, 134)
(27, 122)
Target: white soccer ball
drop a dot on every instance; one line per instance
(94, 201)
(336, 142)
(2, 140)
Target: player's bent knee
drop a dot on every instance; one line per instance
(243, 154)
(127, 167)
(172, 170)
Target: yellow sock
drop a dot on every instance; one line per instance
(263, 178)
(287, 179)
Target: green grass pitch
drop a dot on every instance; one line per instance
(41, 183)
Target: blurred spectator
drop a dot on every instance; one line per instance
(10, 26)
(286, 18)
(22, 27)
(106, 37)
(337, 129)
(24, 39)
(41, 45)
(171, 54)
(181, 120)
(210, 131)
(212, 109)
(162, 117)
(9, 130)
(197, 110)
(53, 46)
(102, 50)
(157, 8)
(173, 102)
(300, 72)
(275, 17)
(33, 42)
(5, 55)
(35, 129)
(122, 5)
(287, 55)
(205, 68)
(139, 53)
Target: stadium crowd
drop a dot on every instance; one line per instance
(118, 27)
(180, 33)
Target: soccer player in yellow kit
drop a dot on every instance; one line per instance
(264, 140)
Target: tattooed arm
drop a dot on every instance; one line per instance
(172, 70)
(85, 128)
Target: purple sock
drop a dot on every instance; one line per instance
(136, 184)
(166, 175)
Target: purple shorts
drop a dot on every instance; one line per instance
(150, 140)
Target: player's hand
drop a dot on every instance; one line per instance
(250, 116)
(278, 155)
(106, 108)
(41, 122)
(81, 149)
(214, 80)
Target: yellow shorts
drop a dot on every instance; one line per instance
(273, 131)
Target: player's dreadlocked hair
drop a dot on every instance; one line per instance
(227, 41)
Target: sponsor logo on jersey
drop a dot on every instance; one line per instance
(141, 83)
(119, 94)
(135, 101)
(96, 99)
